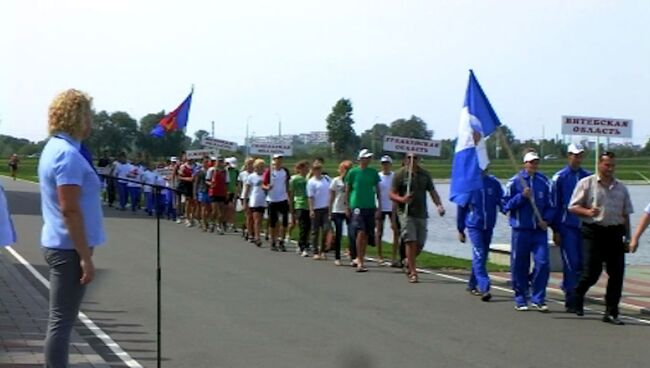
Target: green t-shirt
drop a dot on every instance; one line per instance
(421, 184)
(363, 184)
(298, 186)
(233, 175)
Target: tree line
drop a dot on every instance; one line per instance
(117, 132)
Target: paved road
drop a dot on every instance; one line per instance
(229, 304)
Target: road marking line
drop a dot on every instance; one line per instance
(455, 278)
(98, 332)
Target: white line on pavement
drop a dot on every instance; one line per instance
(107, 340)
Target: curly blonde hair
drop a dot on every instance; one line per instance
(67, 113)
(259, 163)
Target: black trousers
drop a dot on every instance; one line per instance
(603, 244)
(304, 227)
(110, 190)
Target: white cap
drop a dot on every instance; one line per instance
(213, 158)
(278, 155)
(173, 159)
(530, 156)
(576, 149)
(364, 153)
(232, 161)
(386, 158)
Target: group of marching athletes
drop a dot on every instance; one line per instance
(362, 198)
(201, 194)
(589, 218)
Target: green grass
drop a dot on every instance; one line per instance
(426, 259)
(26, 169)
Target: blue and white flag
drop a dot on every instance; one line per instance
(7, 232)
(477, 121)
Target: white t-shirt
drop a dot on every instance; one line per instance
(149, 177)
(278, 192)
(257, 196)
(385, 184)
(121, 170)
(338, 187)
(647, 209)
(243, 176)
(319, 190)
(135, 173)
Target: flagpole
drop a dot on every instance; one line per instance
(408, 182)
(506, 146)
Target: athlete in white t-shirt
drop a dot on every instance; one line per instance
(246, 171)
(318, 195)
(276, 182)
(256, 203)
(388, 209)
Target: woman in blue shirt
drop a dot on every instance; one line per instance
(72, 217)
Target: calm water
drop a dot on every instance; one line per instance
(443, 234)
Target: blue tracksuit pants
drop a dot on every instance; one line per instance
(123, 193)
(169, 204)
(525, 243)
(134, 194)
(571, 246)
(149, 200)
(479, 278)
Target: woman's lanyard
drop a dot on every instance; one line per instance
(84, 151)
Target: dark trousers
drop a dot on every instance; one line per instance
(66, 293)
(110, 190)
(603, 244)
(304, 226)
(320, 225)
(339, 219)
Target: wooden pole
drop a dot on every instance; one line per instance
(508, 150)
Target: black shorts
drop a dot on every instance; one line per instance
(257, 209)
(186, 189)
(217, 199)
(363, 219)
(276, 209)
(13, 166)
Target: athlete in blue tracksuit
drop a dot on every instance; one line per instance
(529, 235)
(566, 226)
(479, 216)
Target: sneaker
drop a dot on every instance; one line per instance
(178, 221)
(541, 307)
(473, 291)
(274, 248)
(316, 257)
(337, 262)
(189, 223)
(396, 264)
(221, 232)
(608, 318)
(304, 254)
(282, 248)
(521, 308)
(486, 297)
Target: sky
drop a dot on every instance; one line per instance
(259, 61)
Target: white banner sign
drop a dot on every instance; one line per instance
(198, 154)
(597, 127)
(164, 172)
(218, 144)
(422, 147)
(271, 149)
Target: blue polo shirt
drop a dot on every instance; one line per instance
(61, 163)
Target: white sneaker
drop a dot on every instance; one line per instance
(304, 254)
(189, 223)
(179, 221)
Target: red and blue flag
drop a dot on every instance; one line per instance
(175, 120)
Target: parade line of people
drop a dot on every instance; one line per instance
(588, 214)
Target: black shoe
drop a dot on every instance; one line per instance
(580, 305)
(608, 318)
(570, 309)
(274, 248)
(282, 248)
(486, 297)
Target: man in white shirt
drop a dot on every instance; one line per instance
(388, 209)
(122, 168)
(276, 182)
